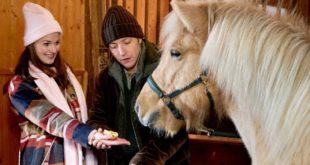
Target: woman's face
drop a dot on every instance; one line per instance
(47, 47)
(126, 51)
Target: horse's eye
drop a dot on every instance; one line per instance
(175, 53)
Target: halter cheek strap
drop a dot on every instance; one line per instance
(166, 98)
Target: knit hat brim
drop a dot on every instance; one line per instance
(112, 33)
(35, 34)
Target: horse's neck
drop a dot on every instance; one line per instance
(250, 132)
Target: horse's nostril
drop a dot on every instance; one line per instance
(137, 108)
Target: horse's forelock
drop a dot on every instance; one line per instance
(170, 30)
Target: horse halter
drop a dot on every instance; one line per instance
(166, 98)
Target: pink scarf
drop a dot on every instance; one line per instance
(52, 92)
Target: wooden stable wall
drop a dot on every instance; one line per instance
(81, 45)
(216, 150)
(71, 16)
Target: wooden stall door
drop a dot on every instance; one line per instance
(216, 150)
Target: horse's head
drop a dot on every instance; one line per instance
(175, 96)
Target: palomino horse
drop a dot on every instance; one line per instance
(260, 65)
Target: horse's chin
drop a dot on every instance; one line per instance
(162, 132)
(158, 130)
(152, 120)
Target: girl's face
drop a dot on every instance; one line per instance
(126, 51)
(47, 48)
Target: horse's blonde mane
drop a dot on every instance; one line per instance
(170, 31)
(264, 63)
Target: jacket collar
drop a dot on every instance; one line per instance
(147, 63)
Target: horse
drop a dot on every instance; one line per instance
(255, 65)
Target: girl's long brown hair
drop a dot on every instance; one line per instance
(29, 54)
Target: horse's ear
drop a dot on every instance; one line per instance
(193, 14)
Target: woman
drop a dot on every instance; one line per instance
(49, 99)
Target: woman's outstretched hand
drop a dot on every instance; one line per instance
(105, 139)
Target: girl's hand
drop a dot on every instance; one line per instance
(106, 139)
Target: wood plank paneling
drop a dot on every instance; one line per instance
(140, 8)
(10, 132)
(121, 2)
(130, 5)
(151, 20)
(10, 33)
(70, 15)
(217, 150)
(302, 6)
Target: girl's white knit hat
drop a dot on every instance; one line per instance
(39, 22)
